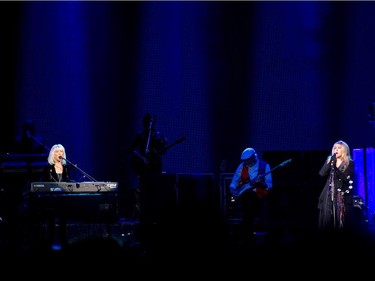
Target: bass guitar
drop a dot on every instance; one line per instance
(255, 183)
(141, 162)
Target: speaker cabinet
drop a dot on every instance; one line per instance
(198, 196)
(230, 208)
(180, 196)
(158, 197)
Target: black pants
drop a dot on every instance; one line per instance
(254, 211)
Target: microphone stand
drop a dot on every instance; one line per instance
(79, 169)
(148, 139)
(38, 141)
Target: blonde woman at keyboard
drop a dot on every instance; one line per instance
(57, 169)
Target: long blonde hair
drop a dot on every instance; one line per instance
(346, 157)
(53, 148)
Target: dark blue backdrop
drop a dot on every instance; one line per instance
(276, 76)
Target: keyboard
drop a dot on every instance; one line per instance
(79, 187)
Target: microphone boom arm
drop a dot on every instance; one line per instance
(79, 169)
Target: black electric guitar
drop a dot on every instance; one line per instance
(255, 183)
(144, 162)
(165, 149)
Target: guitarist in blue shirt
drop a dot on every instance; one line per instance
(249, 188)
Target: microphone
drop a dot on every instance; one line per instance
(333, 159)
(66, 160)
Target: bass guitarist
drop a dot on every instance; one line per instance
(147, 148)
(249, 189)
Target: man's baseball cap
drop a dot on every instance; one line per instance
(247, 153)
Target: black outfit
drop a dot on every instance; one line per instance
(50, 175)
(147, 149)
(336, 199)
(254, 208)
(53, 213)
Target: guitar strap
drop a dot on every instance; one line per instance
(244, 173)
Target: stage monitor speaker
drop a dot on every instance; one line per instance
(158, 197)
